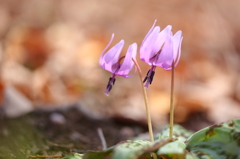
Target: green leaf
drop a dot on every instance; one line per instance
(179, 132)
(221, 141)
(73, 156)
(99, 154)
(131, 149)
(175, 147)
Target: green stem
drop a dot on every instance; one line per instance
(146, 106)
(146, 102)
(172, 104)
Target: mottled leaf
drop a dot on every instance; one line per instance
(179, 132)
(131, 149)
(73, 156)
(176, 148)
(221, 141)
(105, 154)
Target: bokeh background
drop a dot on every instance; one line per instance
(49, 52)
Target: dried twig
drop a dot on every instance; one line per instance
(101, 136)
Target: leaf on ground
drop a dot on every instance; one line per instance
(74, 156)
(179, 132)
(221, 141)
(131, 149)
(217, 141)
(98, 154)
(174, 149)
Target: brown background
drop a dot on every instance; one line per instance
(50, 51)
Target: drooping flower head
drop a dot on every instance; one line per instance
(160, 48)
(111, 62)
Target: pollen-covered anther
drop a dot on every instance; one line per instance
(110, 84)
(149, 77)
(145, 79)
(112, 80)
(109, 87)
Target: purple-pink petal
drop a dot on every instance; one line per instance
(146, 49)
(112, 56)
(109, 60)
(149, 31)
(101, 61)
(161, 39)
(165, 58)
(177, 38)
(179, 52)
(161, 48)
(177, 43)
(127, 64)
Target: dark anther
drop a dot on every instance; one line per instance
(145, 79)
(114, 81)
(109, 87)
(111, 80)
(151, 76)
(110, 84)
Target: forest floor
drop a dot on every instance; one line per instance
(55, 133)
(40, 134)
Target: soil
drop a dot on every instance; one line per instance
(41, 135)
(56, 133)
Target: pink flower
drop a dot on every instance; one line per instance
(160, 49)
(111, 62)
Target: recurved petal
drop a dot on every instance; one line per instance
(146, 49)
(127, 64)
(111, 57)
(177, 39)
(178, 53)
(161, 38)
(150, 30)
(101, 60)
(165, 58)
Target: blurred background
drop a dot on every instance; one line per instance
(49, 52)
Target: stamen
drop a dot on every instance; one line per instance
(110, 84)
(109, 87)
(145, 79)
(146, 76)
(151, 77)
(114, 81)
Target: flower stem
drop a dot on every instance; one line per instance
(147, 107)
(172, 104)
(146, 102)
